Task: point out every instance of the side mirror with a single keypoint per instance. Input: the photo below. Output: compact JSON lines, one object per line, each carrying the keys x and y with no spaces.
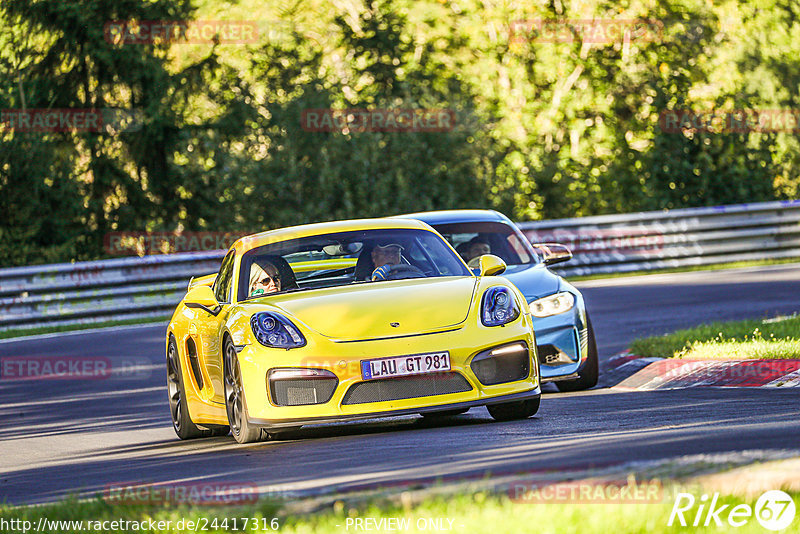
{"x":553,"y":253}
{"x":202,"y":297}
{"x":491,"y":265}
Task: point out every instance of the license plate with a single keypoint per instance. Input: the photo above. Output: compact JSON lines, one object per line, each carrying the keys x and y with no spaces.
{"x":414,"y":364}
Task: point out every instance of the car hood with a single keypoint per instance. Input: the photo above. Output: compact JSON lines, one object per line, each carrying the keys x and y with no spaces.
{"x":533,"y":280}
{"x":367,"y":311}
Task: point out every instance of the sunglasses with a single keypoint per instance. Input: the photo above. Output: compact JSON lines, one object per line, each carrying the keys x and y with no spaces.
{"x":267,"y":279}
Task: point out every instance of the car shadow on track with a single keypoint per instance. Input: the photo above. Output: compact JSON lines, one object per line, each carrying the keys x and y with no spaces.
{"x":601,"y":426}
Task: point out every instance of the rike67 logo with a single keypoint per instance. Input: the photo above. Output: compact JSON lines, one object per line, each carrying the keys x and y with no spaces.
{"x":774,"y":510}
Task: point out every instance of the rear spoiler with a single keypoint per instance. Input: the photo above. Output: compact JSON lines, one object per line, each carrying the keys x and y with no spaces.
{"x":205,"y":280}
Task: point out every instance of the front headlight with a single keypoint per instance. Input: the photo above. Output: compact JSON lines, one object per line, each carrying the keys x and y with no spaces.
{"x":552,"y":305}
{"x":276,"y":331}
{"x":498,"y":307}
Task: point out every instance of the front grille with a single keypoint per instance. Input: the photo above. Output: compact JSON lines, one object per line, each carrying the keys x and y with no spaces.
{"x":409,"y":387}
{"x":303,"y":391}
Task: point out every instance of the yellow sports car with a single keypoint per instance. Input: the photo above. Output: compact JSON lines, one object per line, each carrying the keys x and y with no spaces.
{"x":347,"y":320}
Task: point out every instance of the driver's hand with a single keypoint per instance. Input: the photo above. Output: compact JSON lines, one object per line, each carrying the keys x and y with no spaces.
{"x":381,"y":273}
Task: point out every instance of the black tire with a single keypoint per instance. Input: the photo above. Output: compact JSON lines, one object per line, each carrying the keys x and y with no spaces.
{"x":511,"y":411}
{"x":444,"y":413}
{"x":179,"y":411}
{"x":588,"y":376}
{"x":235,"y":405}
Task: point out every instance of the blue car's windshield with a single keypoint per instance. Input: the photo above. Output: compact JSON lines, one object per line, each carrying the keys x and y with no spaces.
{"x":472,"y":239}
{"x":343,"y":258}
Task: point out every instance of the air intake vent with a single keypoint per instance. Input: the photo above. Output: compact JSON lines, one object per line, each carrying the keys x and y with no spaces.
{"x":388,"y":389}
{"x":290,"y":387}
{"x":191,"y":350}
{"x":499,"y":365}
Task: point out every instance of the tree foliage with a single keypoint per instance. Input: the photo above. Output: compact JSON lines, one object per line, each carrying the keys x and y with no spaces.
{"x":557,"y":128}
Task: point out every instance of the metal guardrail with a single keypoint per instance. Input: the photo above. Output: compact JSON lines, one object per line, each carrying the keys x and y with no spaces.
{"x":96,"y":291}
{"x":150,"y":287}
{"x":608,"y":244}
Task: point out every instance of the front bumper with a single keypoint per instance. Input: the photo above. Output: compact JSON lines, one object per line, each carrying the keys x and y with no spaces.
{"x":562,"y":343}
{"x":343,"y":360}
{"x":289,"y":423}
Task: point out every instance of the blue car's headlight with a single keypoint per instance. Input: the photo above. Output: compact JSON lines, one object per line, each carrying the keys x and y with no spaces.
{"x":552,"y":305}
{"x":498,"y":307}
{"x":276,"y":331}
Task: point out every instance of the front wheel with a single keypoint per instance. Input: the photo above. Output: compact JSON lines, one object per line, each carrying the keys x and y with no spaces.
{"x":588,"y":376}
{"x":242,"y":430}
{"x":510,"y":411}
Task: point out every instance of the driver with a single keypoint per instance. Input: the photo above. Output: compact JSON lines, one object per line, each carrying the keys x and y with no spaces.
{"x":264,"y":279}
{"x":384,"y":257}
{"x":477,"y":247}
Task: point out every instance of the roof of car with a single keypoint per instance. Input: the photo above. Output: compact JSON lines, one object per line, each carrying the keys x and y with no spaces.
{"x":455,"y":216}
{"x":307,"y":230}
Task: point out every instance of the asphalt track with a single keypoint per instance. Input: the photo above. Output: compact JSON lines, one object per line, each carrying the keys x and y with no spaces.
{"x":79,"y":436}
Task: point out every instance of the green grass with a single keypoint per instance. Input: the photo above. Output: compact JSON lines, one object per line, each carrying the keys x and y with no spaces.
{"x":687,"y":269}
{"x":465,"y":513}
{"x":22,"y":332}
{"x":751,"y":339}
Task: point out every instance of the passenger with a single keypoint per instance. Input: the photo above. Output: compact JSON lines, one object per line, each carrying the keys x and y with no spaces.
{"x":264,"y":279}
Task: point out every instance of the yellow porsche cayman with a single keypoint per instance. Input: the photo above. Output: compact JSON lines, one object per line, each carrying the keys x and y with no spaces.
{"x":347,"y":320}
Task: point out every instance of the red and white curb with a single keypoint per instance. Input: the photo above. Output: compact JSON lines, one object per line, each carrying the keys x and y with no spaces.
{"x":634,"y":373}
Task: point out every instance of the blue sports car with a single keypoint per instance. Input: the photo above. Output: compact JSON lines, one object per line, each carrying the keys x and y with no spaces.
{"x":564,"y":338}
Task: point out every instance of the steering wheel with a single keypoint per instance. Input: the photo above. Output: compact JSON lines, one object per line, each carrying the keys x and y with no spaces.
{"x":397,"y":272}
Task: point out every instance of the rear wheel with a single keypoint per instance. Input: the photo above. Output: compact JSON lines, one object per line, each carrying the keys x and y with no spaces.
{"x":510,"y":411}
{"x":444,"y":413}
{"x":588,"y":376}
{"x":179,"y":411}
{"x":242,"y":430}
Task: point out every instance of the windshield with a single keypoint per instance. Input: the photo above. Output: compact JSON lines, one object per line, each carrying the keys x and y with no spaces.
{"x":473,"y":239}
{"x":331,"y":260}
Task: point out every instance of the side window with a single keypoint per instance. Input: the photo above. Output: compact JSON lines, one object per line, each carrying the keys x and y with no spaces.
{"x":222,"y":285}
